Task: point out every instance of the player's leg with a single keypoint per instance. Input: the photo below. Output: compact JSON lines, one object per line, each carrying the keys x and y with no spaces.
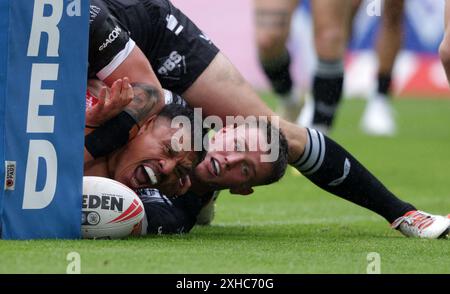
{"x":221,"y":90}
{"x":272,"y":28}
{"x":444,"y":49}
{"x":333,"y":169}
{"x":331,"y":22}
{"x":378,"y":118}
{"x":389,"y":40}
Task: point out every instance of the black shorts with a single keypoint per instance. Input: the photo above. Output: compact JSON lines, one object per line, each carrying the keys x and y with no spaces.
{"x":177,"y":49}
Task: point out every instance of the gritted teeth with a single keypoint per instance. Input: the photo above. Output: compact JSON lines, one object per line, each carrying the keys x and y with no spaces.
{"x":151,"y":175}
{"x":216,"y":166}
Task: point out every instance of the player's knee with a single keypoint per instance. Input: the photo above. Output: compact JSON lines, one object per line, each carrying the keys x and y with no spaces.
{"x":270,"y":45}
{"x":330,"y":43}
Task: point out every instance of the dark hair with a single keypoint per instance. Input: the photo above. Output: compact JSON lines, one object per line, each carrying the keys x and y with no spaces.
{"x":172,"y":111}
{"x":279,"y":166}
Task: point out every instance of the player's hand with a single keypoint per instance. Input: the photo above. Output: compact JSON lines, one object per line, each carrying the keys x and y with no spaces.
{"x":110,"y":102}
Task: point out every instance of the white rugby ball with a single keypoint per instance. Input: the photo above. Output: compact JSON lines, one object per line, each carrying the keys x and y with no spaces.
{"x":110,"y":210}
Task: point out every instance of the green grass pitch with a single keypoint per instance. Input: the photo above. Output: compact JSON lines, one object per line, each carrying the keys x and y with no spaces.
{"x":292,"y":226}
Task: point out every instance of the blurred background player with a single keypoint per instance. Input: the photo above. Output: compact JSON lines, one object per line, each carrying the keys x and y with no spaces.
{"x":332,"y":28}
{"x":444,"y":49}
{"x":272,"y":28}
{"x":332,"y":31}
{"x":378,"y":118}
{"x":332,"y":22}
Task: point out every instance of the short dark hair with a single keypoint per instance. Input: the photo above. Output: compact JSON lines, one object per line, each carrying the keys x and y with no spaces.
{"x":279,"y":166}
{"x":172,"y":111}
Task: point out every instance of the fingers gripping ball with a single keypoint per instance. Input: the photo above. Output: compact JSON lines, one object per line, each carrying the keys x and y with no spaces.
{"x":110,"y":210}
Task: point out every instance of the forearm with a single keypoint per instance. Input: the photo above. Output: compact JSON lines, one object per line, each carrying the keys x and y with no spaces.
{"x":147,"y":101}
{"x":117,"y":131}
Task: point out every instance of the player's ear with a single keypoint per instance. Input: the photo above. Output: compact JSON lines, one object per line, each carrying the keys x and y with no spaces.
{"x":241,"y":191}
{"x":148,"y":123}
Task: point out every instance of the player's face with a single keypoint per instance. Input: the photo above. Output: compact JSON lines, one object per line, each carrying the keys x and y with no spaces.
{"x":151,"y":161}
{"x":230,"y":164}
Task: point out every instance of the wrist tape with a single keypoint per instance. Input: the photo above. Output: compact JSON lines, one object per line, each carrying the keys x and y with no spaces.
{"x":110,"y":136}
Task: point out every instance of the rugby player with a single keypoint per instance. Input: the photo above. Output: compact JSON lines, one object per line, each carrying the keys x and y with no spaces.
{"x":146,"y":159}
{"x":221,"y":169}
{"x":332,"y":27}
{"x":229,"y":164}
{"x":378,"y":118}
{"x":131,"y":38}
{"x":331,"y":20}
{"x":272,"y":29}
{"x":444,"y":48}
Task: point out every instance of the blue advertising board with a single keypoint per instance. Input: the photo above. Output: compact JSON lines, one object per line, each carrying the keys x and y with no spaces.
{"x":4,"y":21}
{"x":42,"y":91}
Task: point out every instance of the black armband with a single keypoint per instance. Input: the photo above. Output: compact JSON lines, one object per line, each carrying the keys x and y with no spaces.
{"x":110,"y":136}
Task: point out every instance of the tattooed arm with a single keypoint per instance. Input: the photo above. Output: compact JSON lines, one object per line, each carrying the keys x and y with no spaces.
{"x":111,"y":133}
{"x":147,"y":101}
{"x":140,"y":103}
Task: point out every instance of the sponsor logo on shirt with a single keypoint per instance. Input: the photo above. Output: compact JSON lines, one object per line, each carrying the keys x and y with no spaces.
{"x":111,"y":38}
{"x":93,"y":12}
{"x":172,"y":66}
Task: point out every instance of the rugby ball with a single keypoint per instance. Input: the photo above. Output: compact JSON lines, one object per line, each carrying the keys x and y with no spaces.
{"x":110,"y":210}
